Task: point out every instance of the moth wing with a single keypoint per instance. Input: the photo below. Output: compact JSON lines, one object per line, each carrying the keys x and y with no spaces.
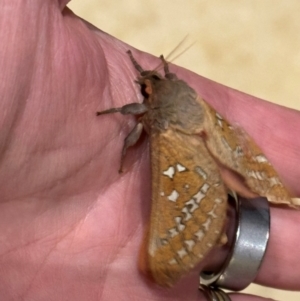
{"x":189,"y":203}
{"x":234,"y":148}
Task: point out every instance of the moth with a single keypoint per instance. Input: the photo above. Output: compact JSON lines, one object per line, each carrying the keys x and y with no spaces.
{"x":190,"y":143}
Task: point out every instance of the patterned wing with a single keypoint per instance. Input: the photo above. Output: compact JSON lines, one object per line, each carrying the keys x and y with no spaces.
{"x":189,"y":203}
{"x":236,"y":150}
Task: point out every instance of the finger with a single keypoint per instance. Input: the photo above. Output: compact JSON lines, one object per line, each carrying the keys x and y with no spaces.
{"x":245,"y":297}
{"x":281,"y":266}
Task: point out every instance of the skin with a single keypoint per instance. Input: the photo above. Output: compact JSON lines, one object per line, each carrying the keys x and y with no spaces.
{"x":70,"y":226}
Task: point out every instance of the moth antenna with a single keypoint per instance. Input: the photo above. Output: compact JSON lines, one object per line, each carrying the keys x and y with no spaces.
{"x":168,"y":74}
{"x":168,"y":57}
{"x":158,"y":67}
{"x":165,"y":64}
{"x":183,"y":51}
{"x":172,"y":52}
{"x":176,"y":47}
{"x":134,"y":62}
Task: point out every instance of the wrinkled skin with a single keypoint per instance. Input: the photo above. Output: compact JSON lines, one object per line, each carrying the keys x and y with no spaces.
{"x":70,"y":225}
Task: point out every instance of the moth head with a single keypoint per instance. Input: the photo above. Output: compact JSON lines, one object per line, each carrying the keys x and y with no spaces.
{"x":147,"y":81}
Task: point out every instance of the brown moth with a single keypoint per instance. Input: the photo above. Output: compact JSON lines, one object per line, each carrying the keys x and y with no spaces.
{"x":190,"y":143}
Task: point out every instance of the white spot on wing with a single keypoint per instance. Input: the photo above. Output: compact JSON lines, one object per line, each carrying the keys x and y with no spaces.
{"x":173,"y":196}
{"x":179,"y":225}
{"x":194,"y":205}
{"x":162,"y":193}
{"x":201,"y":172}
{"x":199,"y":234}
{"x":180,"y":167}
{"x":238,"y":152}
{"x":169,"y":172}
{"x":187,"y":214}
{"x":163,"y":242}
{"x":190,"y":244}
{"x":225,"y":143}
{"x":256,"y":175}
{"x":172,"y":261}
{"x":201,"y":193}
{"x":204,"y":187}
{"x":219,"y":116}
{"x":207,"y":224}
{"x":152,"y":248}
{"x":212,"y":212}
{"x":274,"y":181}
{"x":260,"y":175}
{"x":218,"y":201}
{"x":198,"y":196}
{"x":261,"y":159}
{"x":173,"y":232}
{"x":182,"y":252}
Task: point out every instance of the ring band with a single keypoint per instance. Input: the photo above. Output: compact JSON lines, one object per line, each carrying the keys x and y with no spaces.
{"x":214,"y":294}
{"x":251,"y":239}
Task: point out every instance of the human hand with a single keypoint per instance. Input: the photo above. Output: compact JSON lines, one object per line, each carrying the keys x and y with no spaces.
{"x":71,"y":226}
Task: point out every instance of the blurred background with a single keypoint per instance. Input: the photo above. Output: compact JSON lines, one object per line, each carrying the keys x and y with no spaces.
{"x":252,"y":46}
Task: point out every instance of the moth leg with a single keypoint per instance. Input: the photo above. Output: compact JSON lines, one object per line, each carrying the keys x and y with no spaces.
{"x":134,"y":108}
{"x":168,"y":74}
{"x":130,"y":140}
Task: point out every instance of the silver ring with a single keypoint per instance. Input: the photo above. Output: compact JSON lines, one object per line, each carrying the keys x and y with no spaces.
{"x":214,"y":294}
{"x":251,"y":240}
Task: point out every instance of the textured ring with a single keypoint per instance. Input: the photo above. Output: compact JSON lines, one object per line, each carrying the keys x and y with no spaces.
{"x":247,"y":253}
{"x":214,"y":294}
